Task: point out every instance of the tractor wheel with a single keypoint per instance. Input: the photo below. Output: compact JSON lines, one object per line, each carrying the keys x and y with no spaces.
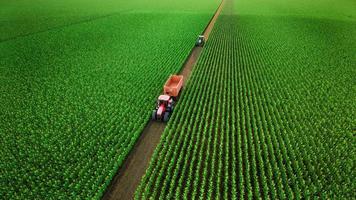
{"x":154,"y":115}
{"x":166,"y":117}
{"x":170,"y":109}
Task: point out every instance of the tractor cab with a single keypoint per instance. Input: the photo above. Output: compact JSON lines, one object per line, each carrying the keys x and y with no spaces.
{"x":165,"y":102}
{"x":200,"y":41}
{"x":163,"y":109}
{"x":163,"y":99}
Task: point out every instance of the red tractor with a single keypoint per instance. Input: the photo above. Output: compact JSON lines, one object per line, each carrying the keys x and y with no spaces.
{"x":165,"y":102}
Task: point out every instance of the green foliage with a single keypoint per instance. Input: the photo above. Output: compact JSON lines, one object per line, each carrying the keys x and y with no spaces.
{"x":74,"y":99}
{"x":270,"y":111}
{"x":23,"y":17}
{"x":321,"y":9}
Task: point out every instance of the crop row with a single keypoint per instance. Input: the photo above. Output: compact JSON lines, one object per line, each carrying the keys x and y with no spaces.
{"x":75,"y":100}
{"x":256,"y":119}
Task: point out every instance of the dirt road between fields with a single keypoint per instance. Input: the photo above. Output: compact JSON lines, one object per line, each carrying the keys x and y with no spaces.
{"x":128,"y":177}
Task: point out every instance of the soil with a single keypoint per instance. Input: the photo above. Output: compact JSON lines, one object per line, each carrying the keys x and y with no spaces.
{"x":189,"y":63}
{"x":125,"y":182}
{"x":211,"y":24}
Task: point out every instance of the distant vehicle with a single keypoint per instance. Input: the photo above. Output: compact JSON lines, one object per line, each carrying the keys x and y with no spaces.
{"x":200,"y":41}
{"x":165,"y":102}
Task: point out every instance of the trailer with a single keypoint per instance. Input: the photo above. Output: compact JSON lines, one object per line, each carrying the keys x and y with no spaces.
{"x":173,"y":85}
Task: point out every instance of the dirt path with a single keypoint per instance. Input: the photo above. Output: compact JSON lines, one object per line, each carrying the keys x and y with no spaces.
{"x":125,"y":182}
{"x":211,"y":24}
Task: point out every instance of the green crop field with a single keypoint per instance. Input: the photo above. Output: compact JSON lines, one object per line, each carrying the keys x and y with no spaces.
{"x":269,"y":111}
{"x":78,"y":81}
{"x":23,"y":17}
